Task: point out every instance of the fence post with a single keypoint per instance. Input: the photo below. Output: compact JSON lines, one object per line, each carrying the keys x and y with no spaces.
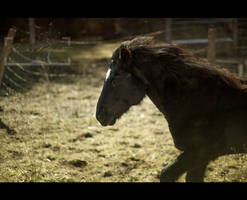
{"x":31,"y":23}
{"x":240,"y":69}
{"x":168,"y":30}
{"x":211,"y":55}
{"x":235,"y":32}
{"x":6,"y":50}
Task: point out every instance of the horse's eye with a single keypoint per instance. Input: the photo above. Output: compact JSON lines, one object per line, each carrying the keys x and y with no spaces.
{"x":113,"y":82}
{"x":113,"y":62}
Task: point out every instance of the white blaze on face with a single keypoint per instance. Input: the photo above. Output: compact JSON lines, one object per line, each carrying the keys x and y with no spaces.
{"x":108,"y":74}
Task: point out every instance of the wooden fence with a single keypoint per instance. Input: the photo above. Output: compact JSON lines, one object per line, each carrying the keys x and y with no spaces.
{"x":6,"y":50}
{"x":211,"y":41}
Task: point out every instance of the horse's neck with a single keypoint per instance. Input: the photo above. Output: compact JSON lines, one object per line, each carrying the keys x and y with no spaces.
{"x":155,"y":97}
{"x":152,"y":90}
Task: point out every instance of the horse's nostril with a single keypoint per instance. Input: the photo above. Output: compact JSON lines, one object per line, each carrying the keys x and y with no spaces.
{"x":100,"y":114}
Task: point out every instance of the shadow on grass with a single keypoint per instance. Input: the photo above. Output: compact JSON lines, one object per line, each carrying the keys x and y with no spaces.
{"x":7,"y":128}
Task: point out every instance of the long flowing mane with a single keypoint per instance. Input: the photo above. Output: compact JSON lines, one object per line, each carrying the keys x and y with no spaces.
{"x":176,"y":60}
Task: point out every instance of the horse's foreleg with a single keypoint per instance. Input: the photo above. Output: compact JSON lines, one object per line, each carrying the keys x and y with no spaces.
{"x":197,"y":174}
{"x":185,"y":162}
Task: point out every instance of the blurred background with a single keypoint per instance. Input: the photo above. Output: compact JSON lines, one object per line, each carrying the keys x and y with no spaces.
{"x":51,"y":73}
{"x":78,"y":41}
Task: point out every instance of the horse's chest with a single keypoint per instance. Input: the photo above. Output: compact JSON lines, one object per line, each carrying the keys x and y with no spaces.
{"x":188,"y":132}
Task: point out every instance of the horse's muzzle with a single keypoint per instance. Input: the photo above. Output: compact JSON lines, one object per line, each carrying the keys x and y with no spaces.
{"x":104,"y":118}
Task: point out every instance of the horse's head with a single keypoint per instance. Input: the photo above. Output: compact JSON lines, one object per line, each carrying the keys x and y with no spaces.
{"x":121,"y":88}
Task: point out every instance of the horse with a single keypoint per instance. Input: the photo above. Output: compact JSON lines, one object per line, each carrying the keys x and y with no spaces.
{"x":205,"y":106}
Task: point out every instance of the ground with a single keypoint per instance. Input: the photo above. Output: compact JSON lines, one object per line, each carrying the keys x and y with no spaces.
{"x":58,"y":138}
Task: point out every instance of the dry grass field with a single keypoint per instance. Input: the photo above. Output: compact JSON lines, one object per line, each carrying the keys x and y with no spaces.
{"x":59,"y":140}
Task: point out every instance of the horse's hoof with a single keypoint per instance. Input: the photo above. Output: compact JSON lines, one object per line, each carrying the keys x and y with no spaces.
{"x":165,"y":177}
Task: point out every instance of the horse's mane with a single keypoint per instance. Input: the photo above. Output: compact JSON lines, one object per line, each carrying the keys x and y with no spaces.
{"x":173,"y":58}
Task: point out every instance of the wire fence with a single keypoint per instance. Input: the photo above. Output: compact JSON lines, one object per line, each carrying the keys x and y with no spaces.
{"x":22,"y":71}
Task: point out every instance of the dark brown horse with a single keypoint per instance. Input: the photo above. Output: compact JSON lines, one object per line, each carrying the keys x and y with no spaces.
{"x":206,"y":108}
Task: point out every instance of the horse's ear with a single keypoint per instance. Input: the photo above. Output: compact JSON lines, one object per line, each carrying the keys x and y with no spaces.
{"x":125,"y":54}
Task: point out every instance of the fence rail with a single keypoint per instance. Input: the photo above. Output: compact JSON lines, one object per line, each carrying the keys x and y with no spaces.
{"x":201,"y":41}
{"x":208,"y":21}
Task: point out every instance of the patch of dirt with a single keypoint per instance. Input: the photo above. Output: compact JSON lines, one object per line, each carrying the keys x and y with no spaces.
{"x":77,"y":163}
